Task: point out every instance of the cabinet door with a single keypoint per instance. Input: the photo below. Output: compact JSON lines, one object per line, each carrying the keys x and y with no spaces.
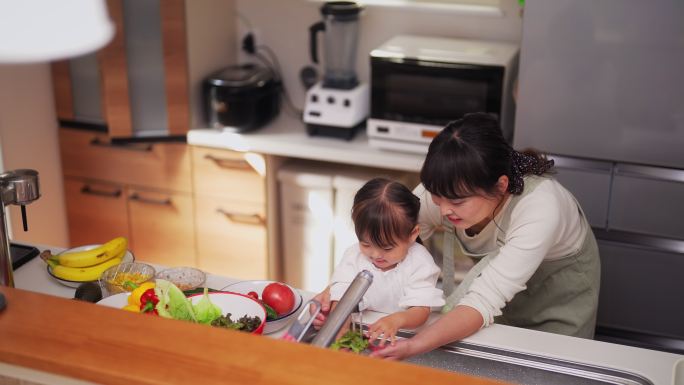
{"x":648,"y":200}
{"x":641,"y":289}
{"x":146,"y":81}
{"x":232,"y":175}
{"x":96,"y":211}
{"x":162,"y":227}
{"x":589,"y":182}
{"x":91,"y":155}
{"x":231,"y":238}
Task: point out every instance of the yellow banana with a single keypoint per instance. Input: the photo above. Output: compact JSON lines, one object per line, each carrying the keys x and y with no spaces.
{"x":83,"y":274}
{"x":112,"y":249}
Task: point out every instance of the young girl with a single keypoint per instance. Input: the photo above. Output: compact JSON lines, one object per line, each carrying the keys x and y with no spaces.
{"x":385,"y":216}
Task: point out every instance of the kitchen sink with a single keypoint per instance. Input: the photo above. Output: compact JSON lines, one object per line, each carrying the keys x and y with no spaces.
{"x":519,"y":368}
{"x":515,"y":367}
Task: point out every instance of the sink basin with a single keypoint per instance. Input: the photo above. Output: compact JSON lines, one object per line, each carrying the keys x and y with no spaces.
{"x":516,"y":367}
{"x":519,"y":368}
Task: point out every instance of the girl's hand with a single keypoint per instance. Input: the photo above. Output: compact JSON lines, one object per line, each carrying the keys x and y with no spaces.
{"x":385,"y":330}
{"x":324,"y":299}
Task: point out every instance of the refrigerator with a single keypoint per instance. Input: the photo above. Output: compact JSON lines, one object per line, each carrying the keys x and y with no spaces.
{"x":601,"y":89}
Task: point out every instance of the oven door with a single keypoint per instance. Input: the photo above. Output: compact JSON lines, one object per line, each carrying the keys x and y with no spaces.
{"x":433,"y":93}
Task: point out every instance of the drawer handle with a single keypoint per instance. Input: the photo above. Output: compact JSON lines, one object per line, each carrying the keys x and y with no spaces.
{"x":250,"y":219}
{"x":161,"y":202}
{"x":132,"y":147}
{"x":86,"y":189}
{"x":236,"y":164}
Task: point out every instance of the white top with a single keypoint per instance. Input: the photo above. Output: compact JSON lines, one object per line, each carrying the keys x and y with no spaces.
{"x":412,"y":282}
{"x":545,"y":225}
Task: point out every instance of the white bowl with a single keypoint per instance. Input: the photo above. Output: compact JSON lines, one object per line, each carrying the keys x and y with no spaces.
{"x":244,"y":287}
{"x":128,"y":257}
{"x":238,"y":305}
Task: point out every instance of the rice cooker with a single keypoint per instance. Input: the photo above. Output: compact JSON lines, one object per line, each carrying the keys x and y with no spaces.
{"x":241,"y":97}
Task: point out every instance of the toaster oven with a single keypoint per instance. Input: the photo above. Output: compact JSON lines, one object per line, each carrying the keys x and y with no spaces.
{"x":419,"y":84}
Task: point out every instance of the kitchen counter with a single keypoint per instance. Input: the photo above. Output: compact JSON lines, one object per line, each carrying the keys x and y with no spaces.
{"x":656,"y":366}
{"x":51,"y":340}
{"x":286,"y":136}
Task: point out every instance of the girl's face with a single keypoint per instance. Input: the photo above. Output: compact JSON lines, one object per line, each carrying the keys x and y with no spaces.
{"x":388,"y":257}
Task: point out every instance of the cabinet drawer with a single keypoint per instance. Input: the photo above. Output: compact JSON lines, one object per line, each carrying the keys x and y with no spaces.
{"x":162,"y":227}
{"x":648,"y":200}
{"x":232,"y":175}
{"x":90,"y":155}
{"x":641,"y":289}
{"x":231,"y":238}
{"x":589,"y":182}
{"x":96,"y":211}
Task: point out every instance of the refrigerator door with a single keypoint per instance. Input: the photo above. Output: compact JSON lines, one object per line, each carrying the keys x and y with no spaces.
{"x":603,"y":80}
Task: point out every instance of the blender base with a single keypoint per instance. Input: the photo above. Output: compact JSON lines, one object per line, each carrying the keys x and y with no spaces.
{"x":346,"y":133}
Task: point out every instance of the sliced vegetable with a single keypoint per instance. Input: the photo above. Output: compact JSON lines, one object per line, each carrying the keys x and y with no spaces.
{"x":149,"y":301}
{"x":172,"y":302}
{"x":205,"y":310}
{"x":138,"y":291}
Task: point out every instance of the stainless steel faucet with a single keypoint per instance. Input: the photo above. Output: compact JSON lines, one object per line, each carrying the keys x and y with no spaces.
{"x":18,"y":187}
{"x":345,"y":307}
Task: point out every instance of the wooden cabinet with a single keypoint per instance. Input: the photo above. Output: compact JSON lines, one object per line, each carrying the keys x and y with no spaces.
{"x":146,"y":81}
{"x":230,"y":212}
{"x":162,"y":227}
{"x":96,"y":211}
{"x":141,"y":191}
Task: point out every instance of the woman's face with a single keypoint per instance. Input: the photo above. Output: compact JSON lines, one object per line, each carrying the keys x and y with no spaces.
{"x":465,"y":213}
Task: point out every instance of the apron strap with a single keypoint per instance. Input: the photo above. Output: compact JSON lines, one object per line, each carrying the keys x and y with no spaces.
{"x":448,"y":270}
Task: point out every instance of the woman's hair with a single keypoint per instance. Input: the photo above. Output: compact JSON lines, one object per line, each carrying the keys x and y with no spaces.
{"x":470,"y":154}
{"x":384,"y":211}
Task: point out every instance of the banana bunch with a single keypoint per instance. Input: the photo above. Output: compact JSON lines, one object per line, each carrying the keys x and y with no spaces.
{"x":86,"y":265}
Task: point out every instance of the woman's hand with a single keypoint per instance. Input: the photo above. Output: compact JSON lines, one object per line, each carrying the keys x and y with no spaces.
{"x":385,"y":330}
{"x":324,"y":299}
{"x":400,"y":350}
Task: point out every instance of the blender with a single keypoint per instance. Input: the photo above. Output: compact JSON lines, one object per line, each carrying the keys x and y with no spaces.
{"x":338,"y":105}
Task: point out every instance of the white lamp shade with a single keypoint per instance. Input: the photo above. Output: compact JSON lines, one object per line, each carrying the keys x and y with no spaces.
{"x":44,"y":30}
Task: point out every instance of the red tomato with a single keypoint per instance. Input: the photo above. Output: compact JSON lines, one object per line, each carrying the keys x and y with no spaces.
{"x":253,"y":294}
{"x":278,"y":296}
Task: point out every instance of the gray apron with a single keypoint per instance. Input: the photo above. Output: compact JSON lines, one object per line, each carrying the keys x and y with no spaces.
{"x":561,"y":296}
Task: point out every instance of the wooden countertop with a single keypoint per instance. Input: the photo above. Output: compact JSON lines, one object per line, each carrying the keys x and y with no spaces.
{"x":100,"y":344}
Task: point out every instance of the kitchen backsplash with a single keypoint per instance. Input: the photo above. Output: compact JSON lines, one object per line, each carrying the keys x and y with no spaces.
{"x":283,"y":26}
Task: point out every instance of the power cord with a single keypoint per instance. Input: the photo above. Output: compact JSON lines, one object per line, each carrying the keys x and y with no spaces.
{"x":249,"y":46}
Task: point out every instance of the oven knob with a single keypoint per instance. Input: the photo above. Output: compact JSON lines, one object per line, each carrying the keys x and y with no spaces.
{"x":331,"y":100}
{"x":314,"y":98}
{"x":347,"y":102}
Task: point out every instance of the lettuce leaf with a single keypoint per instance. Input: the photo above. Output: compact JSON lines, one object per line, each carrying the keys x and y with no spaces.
{"x":172,"y":302}
{"x":205,"y":310}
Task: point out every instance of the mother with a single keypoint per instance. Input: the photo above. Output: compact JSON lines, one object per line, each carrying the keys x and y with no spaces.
{"x":538,"y":259}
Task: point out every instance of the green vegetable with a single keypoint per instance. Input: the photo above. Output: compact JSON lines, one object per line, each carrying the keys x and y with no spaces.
{"x":353,"y":340}
{"x":270,"y":313}
{"x":205,"y":310}
{"x":173,"y":303}
{"x":245,"y":323}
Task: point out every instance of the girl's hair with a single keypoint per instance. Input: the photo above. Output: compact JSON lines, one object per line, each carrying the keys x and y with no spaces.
{"x":384,"y":211}
{"x":470,"y":154}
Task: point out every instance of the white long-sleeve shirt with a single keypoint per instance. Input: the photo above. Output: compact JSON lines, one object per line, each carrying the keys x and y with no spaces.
{"x":412,"y":282}
{"x":545,"y":224}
